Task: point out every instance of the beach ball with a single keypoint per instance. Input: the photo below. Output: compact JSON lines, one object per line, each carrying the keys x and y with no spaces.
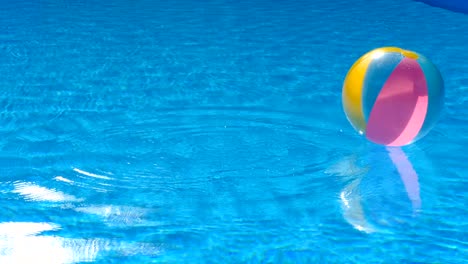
{"x":392,"y":96}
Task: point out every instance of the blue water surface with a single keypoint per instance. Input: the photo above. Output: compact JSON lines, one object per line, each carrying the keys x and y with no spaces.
{"x":212,"y":131}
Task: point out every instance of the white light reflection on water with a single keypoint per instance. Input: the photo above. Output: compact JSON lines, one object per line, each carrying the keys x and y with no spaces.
{"x":89,"y":174}
{"x":33,"y":192}
{"x":36,"y":242}
{"x":21,"y":242}
{"x":119,"y":215}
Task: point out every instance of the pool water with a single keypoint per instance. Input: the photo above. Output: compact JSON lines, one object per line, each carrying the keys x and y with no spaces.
{"x":213,"y":132}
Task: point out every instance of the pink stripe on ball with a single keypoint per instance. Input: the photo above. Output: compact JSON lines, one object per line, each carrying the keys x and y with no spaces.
{"x":400,"y":109}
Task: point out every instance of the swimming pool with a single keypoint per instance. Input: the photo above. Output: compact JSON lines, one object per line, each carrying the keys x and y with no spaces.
{"x":213,"y":132}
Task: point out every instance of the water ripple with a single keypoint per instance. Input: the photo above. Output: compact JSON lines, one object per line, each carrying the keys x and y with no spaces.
{"x":211,"y":137}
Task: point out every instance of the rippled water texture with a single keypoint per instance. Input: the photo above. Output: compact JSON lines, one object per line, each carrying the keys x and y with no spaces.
{"x":213,"y":132}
